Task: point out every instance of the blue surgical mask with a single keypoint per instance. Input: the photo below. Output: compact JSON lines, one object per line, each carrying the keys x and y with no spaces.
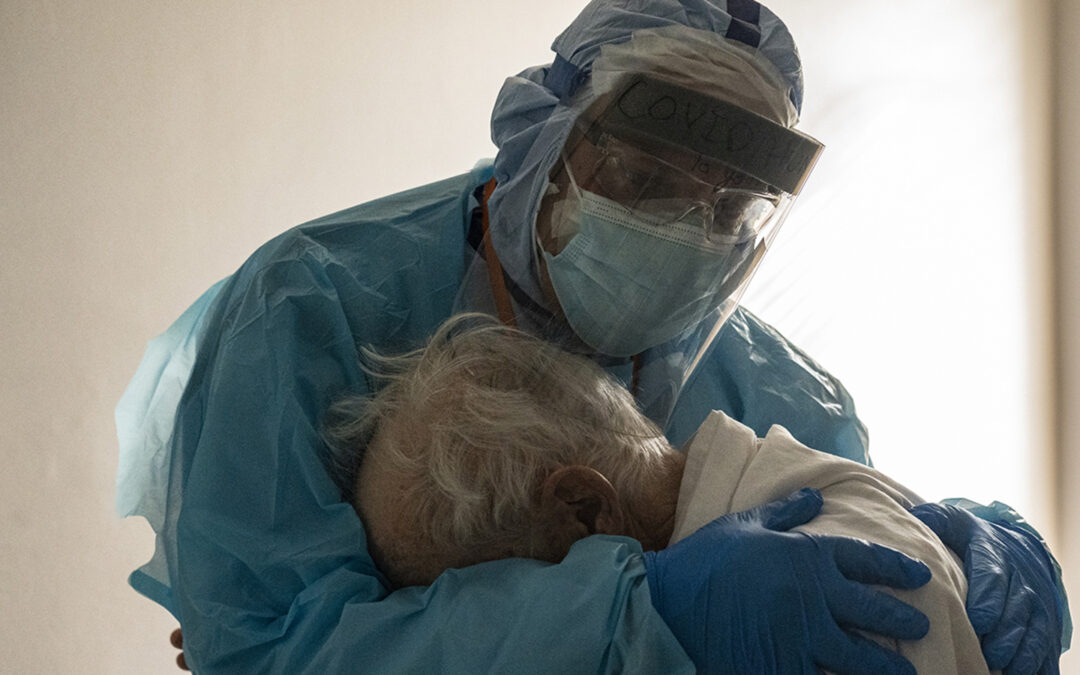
{"x":628,"y":281}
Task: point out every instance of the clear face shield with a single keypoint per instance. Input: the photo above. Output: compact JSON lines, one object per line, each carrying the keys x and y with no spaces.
{"x":663,"y":203}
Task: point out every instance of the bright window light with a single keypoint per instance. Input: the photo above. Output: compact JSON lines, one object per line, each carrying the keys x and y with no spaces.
{"x":902,"y":267}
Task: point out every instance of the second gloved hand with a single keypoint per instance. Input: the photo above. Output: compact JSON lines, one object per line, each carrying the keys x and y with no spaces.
{"x":1012,"y":599}
{"x":744,"y":595}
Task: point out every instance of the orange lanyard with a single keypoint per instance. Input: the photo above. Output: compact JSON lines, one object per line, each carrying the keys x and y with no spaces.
{"x":495,"y":273}
{"x":498,"y":284}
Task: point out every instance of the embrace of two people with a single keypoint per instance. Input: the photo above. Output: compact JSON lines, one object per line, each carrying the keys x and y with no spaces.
{"x":615,"y":473}
{"x":491,"y":444}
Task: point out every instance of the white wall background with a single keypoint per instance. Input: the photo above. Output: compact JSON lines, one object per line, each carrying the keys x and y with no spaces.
{"x":148,"y":148}
{"x":904,"y":267}
{"x":1066,"y":69}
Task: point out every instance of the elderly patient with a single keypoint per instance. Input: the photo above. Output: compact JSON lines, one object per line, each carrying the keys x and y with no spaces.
{"x":491,"y":444}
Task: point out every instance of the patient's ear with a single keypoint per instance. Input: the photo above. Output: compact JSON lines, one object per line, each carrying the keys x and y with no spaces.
{"x":583,"y":502}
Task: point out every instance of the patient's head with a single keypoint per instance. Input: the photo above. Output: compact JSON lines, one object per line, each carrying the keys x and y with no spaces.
{"x":491,"y":444}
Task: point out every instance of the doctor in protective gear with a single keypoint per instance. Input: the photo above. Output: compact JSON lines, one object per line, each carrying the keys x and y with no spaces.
{"x":639,"y":180}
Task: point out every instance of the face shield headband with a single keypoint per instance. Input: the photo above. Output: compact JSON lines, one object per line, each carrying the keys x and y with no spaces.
{"x":651,"y":110}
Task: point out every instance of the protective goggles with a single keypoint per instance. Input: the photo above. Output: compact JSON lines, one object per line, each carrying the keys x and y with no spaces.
{"x":662,"y":192}
{"x":675,"y":154}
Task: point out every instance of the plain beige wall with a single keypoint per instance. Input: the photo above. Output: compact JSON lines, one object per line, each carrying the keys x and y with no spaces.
{"x":1067,"y":247}
{"x":147,"y":149}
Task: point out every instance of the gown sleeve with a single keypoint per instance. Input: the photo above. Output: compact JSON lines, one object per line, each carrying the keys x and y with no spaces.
{"x":259,"y":558}
{"x":754,"y":375}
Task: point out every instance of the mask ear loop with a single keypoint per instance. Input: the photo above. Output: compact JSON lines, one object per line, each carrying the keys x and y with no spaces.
{"x":570,"y":173}
{"x":708,"y":214}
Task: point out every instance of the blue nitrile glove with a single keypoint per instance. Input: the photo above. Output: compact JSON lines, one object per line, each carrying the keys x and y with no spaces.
{"x":743,"y":595}
{"x":1012,"y":599}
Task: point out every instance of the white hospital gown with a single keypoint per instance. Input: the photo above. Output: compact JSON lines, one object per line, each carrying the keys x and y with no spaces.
{"x":729,"y":469}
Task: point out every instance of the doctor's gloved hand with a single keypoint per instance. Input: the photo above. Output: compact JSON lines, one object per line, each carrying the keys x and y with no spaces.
{"x":1012,"y":598}
{"x":743,"y":595}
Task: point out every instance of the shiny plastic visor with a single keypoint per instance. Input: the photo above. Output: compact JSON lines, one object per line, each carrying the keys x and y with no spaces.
{"x":663,"y":192}
{"x":698,"y":188}
{"x":717,"y":137}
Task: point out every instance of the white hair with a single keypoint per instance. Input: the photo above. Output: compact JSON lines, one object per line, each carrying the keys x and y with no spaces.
{"x":476,"y":421}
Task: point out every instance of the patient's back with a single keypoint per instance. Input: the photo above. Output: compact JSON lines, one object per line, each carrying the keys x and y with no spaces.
{"x":729,"y":469}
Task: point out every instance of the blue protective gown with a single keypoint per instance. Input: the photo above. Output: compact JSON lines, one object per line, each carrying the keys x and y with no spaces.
{"x":260,"y":560}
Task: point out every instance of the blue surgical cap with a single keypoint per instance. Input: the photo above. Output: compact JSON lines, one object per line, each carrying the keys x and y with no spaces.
{"x":533,"y":114}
